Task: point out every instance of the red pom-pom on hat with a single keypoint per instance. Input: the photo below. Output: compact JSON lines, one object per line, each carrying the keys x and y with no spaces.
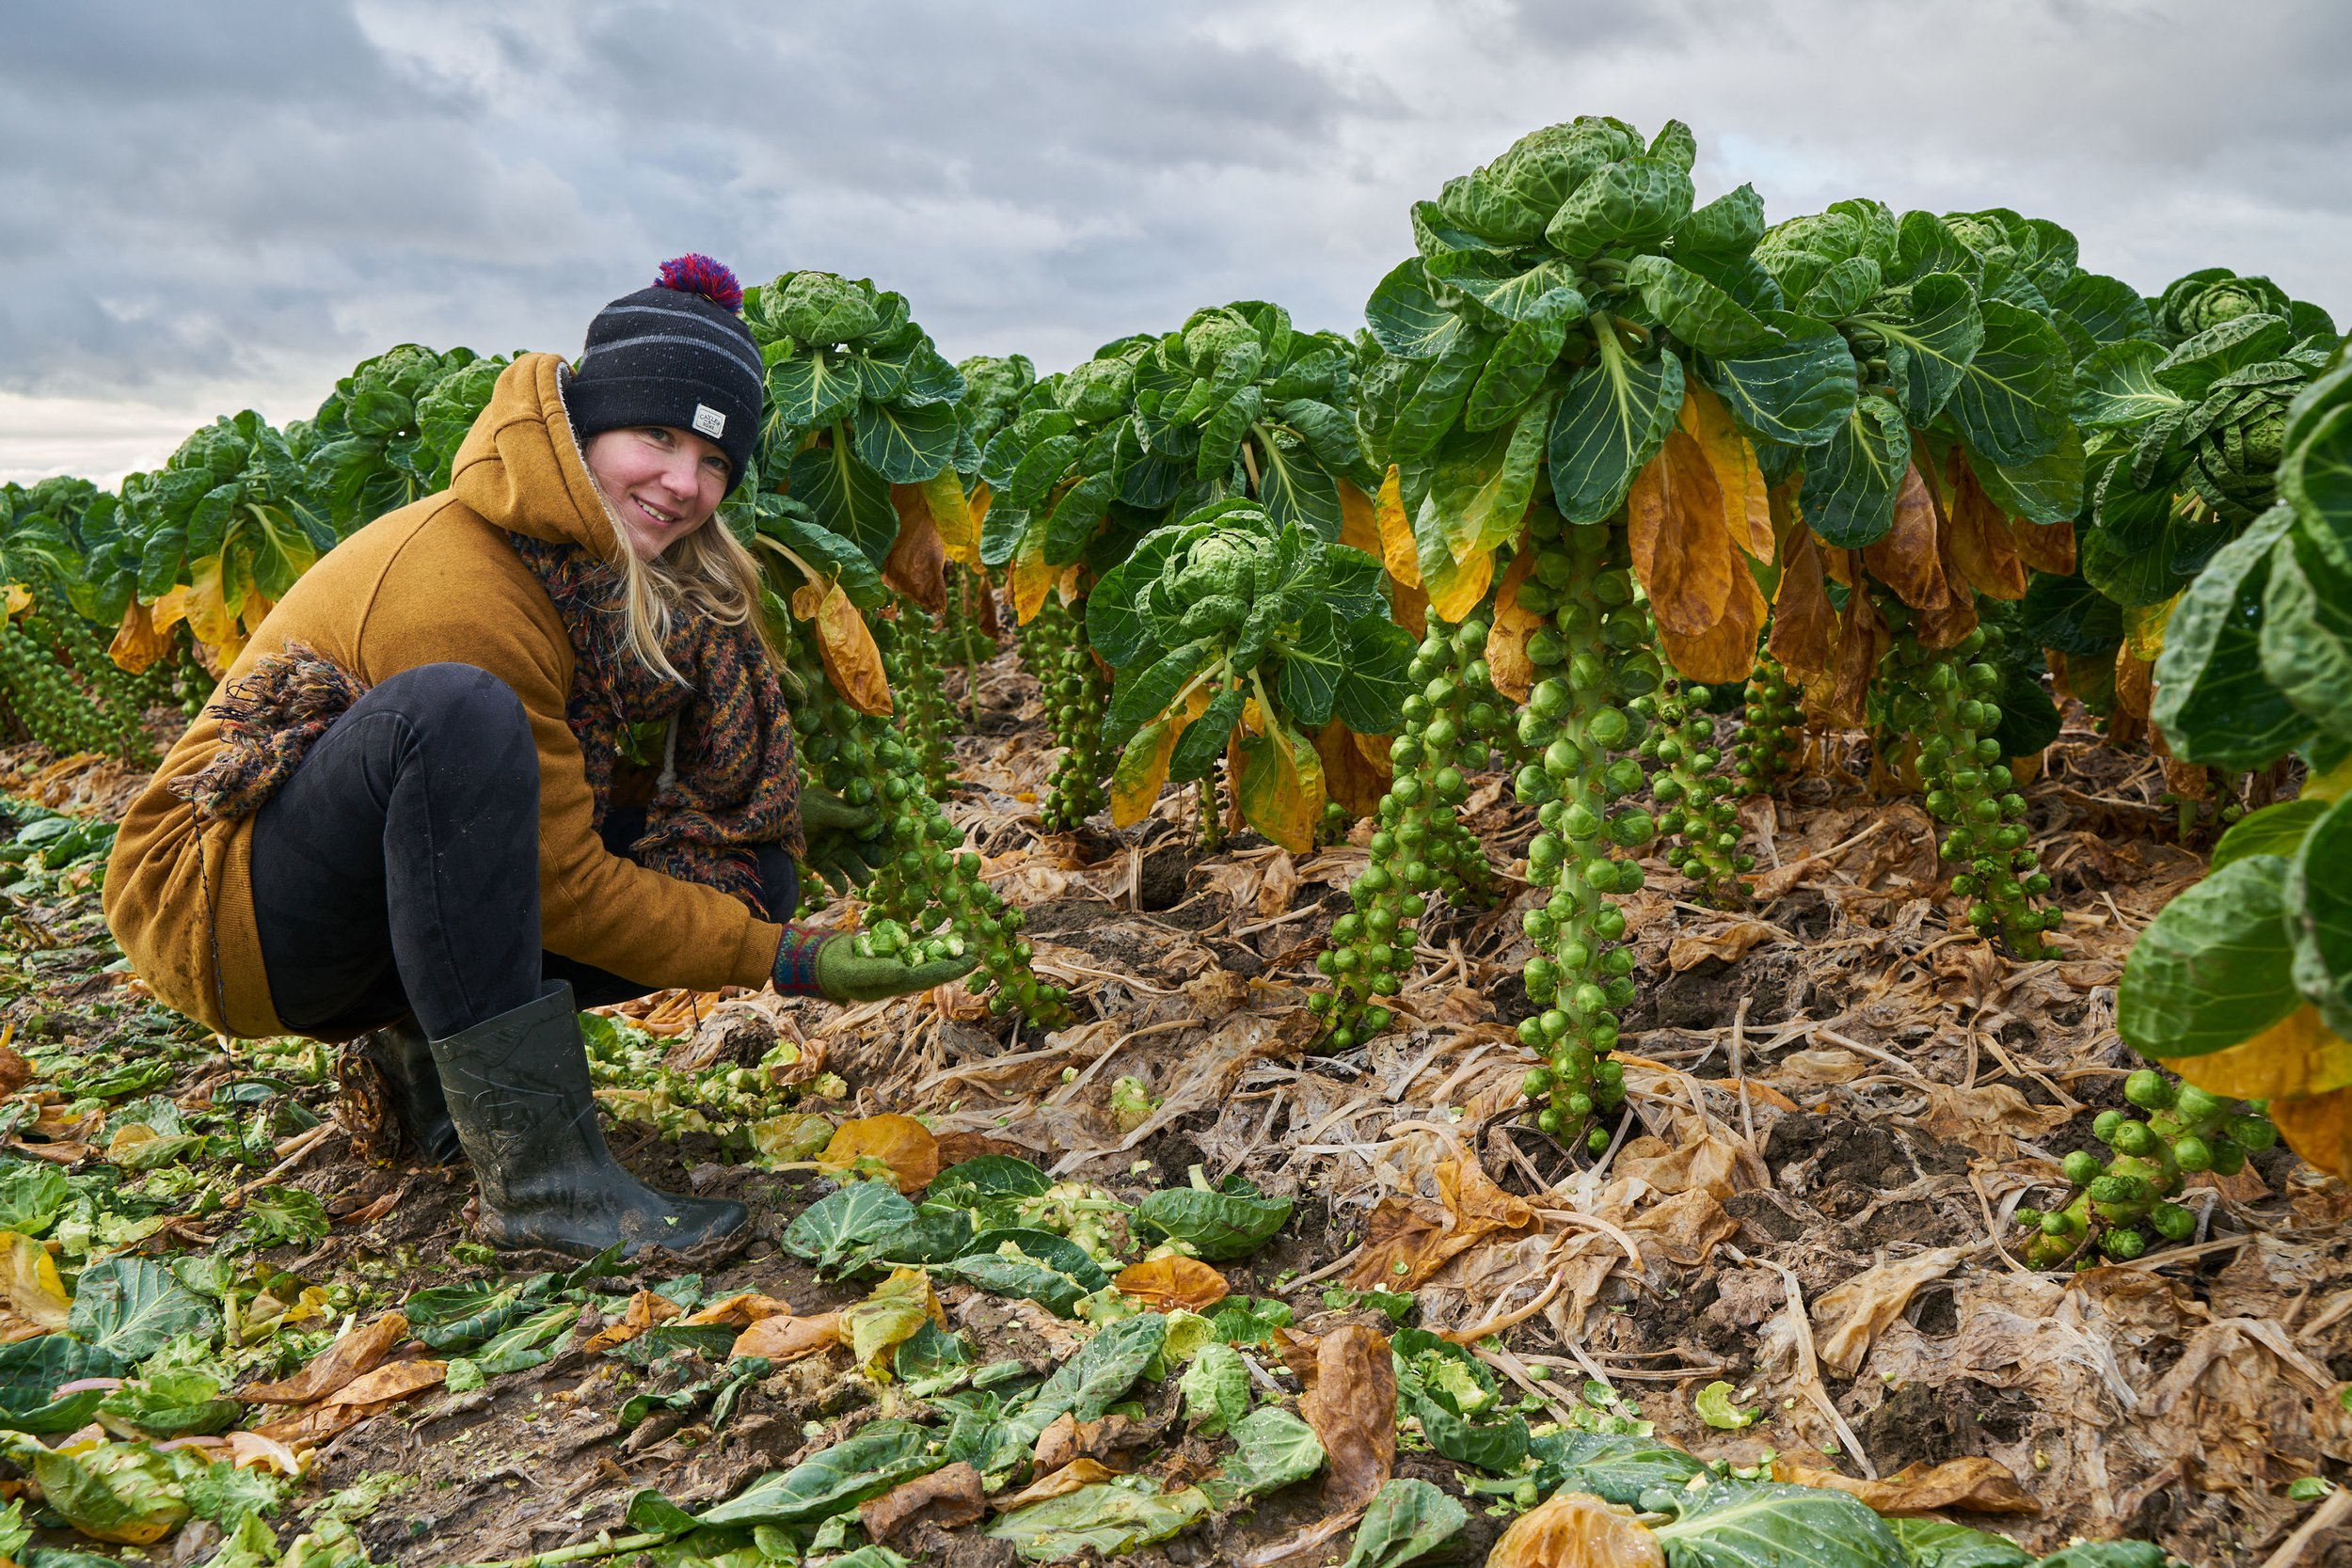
{"x":696,"y":274}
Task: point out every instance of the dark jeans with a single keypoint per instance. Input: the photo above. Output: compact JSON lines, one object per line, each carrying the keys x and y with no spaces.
{"x":396,"y":871}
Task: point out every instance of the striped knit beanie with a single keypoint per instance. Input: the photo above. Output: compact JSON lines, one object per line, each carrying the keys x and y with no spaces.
{"x":677,"y":354}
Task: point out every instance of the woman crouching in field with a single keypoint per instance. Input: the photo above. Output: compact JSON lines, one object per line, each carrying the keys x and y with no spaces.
{"x":398,"y":818}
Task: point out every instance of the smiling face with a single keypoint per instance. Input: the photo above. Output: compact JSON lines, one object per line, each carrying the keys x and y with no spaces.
{"x":663,"y":482}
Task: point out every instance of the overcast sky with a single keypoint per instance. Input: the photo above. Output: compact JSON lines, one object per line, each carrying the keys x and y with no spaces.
{"x":204,"y":207}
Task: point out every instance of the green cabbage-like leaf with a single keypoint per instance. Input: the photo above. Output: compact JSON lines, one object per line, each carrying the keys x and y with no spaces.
{"x":2214,"y":968}
{"x":2319,"y":907}
{"x":1733,"y":1525}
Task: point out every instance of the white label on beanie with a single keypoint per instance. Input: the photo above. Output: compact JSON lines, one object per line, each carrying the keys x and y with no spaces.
{"x":710,"y":421}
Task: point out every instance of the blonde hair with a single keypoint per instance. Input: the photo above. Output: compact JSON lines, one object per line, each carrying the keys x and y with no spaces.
{"x":708,"y":574}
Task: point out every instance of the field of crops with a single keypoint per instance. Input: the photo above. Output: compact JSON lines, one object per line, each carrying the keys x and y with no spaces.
{"x":1689,"y":903}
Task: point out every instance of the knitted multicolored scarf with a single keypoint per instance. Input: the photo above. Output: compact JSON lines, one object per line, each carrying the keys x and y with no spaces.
{"x":733,"y":783}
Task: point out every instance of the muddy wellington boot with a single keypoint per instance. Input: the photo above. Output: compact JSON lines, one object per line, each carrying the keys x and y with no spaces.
{"x":404,"y":1058}
{"x":517,"y":1090}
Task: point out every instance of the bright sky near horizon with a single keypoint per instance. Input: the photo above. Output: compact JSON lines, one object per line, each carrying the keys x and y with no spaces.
{"x":209,"y":208}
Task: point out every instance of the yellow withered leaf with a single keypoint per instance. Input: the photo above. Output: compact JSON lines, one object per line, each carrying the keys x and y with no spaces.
{"x":1573,"y":1530}
{"x":1359,"y":522}
{"x":902,"y":1144}
{"x":2319,"y":1128}
{"x":1397,"y":551}
{"x":952,"y":513}
{"x":1459,"y":585}
{"x":852,"y":662}
{"x":1352,"y":775}
{"x":210,"y":616}
{"x":2296,"y":1056}
{"x":1281,"y":788}
{"x":1142,"y":769}
{"x":1032,"y":578}
{"x":138,"y":644}
{"x":1674,"y":522}
{"x":1747,"y":505}
{"x":1507,"y":664}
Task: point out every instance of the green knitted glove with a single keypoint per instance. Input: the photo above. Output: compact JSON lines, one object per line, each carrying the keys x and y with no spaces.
{"x":842,"y":975}
{"x":845,"y":842}
{"x":824,"y":812}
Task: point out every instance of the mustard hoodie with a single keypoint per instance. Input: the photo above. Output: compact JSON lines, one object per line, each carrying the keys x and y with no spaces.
{"x":434,"y":582}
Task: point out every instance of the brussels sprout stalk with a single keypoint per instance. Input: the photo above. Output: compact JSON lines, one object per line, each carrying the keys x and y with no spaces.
{"x":2124,"y":1202}
{"x":1419,"y":845}
{"x":910,"y":658}
{"x":1589,"y":661}
{"x":927,"y":896}
{"x":1702,"y":815}
{"x":1943,"y":699}
{"x":1075,"y":691}
{"x":1771,"y":730}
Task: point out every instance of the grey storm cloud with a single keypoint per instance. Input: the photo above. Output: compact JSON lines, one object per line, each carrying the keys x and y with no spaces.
{"x":208,"y":205}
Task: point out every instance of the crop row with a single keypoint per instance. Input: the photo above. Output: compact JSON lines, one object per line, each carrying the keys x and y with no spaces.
{"x":1605,"y":467}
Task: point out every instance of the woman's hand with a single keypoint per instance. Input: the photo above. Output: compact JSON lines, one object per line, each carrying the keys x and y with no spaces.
{"x":844,"y":841}
{"x":843,"y":976}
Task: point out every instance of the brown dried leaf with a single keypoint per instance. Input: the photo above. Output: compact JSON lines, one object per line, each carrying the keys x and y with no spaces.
{"x":389,"y":1383}
{"x":1351,"y":1402}
{"x":1508,"y":667}
{"x":901,"y":1143}
{"x":1820,"y":1067}
{"x":1077,"y":1473}
{"x":946,"y":1498}
{"x":1729,"y":941}
{"x":1705,"y":1164}
{"x":1976,"y":1484}
{"x":1688,"y":1226}
{"x":1848,"y":1317}
{"x":1163,"y":1283}
{"x":1573,"y":1530}
{"x":2045,"y":546}
{"x":1909,"y":560}
{"x":1674,"y":521}
{"x":1351,"y":775}
{"x":918,"y":563}
{"x":1981,"y":546}
{"x":358,"y":1351}
{"x":737,"y":1311}
{"x":1862,"y":638}
{"x":784,"y":1338}
{"x":1724,"y":653}
{"x":1424,"y":1236}
{"x":1989,"y":1119}
{"x":1805,"y":622}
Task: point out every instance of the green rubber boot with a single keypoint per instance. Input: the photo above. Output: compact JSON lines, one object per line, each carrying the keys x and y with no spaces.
{"x":518,"y":1091}
{"x":404,"y":1058}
